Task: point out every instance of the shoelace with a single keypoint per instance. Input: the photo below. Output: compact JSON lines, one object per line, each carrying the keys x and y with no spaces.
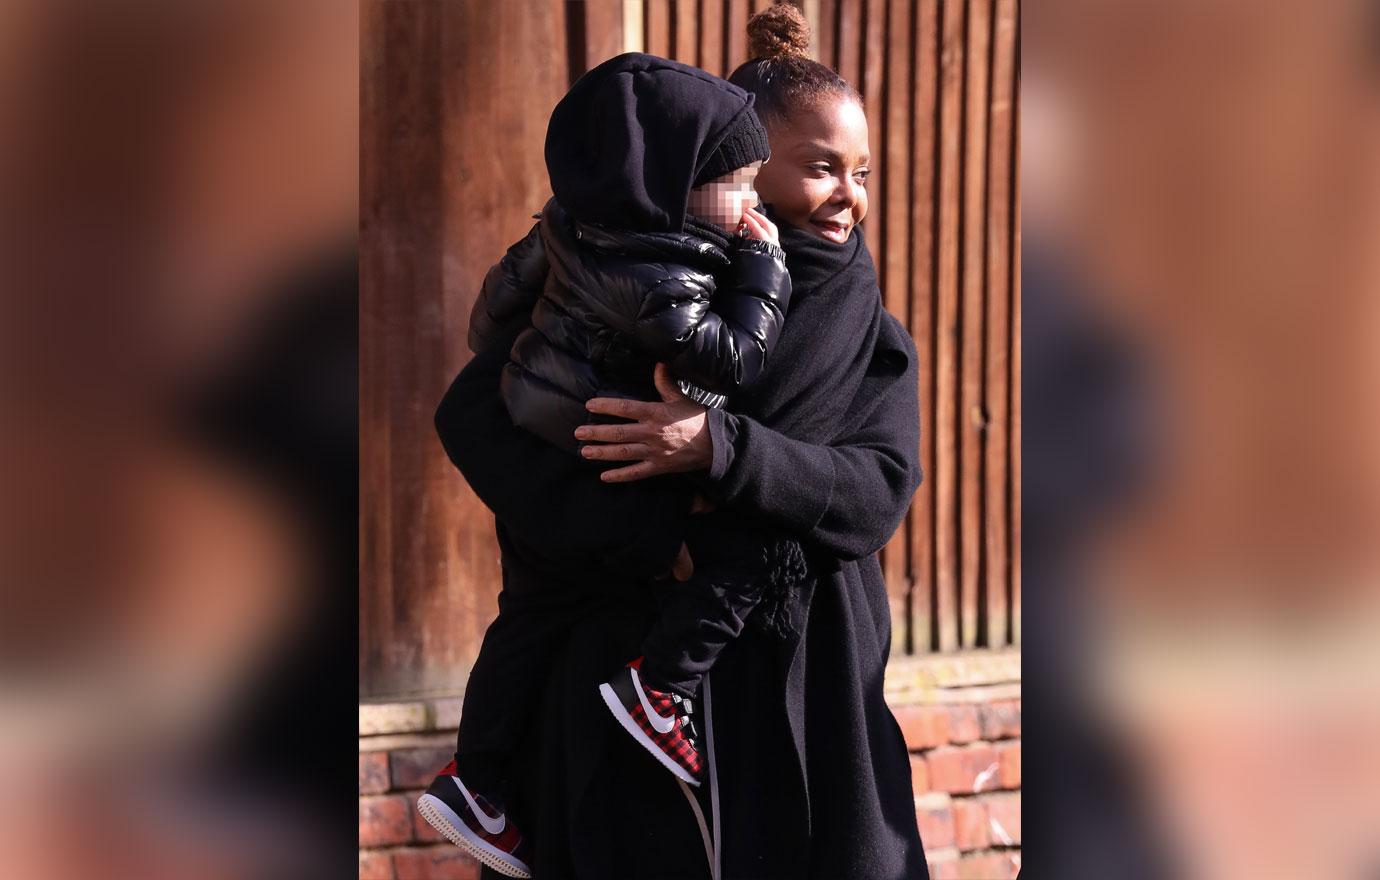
{"x":685,"y":710}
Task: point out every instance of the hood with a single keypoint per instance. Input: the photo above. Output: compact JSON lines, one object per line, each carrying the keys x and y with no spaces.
{"x":624,"y":145}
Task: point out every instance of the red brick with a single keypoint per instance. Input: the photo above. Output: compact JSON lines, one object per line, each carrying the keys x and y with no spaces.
{"x":1000,"y":719}
{"x":919,"y":774}
{"x":415,"y":768}
{"x":963,"y":769}
{"x":1004,"y":817}
{"x":936,"y":820}
{"x":987,"y":866}
{"x":963,"y":723}
{"x":970,"y":824}
{"x":446,"y":862}
{"x":384,"y":820}
{"x":924,"y":727}
{"x":373,"y":772}
{"x":375,"y":865}
{"x":422,"y":832}
{"x":1009,"y":755}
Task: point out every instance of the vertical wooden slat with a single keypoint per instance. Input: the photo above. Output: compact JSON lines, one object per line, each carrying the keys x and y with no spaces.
{"x":849,"y":39}
{"x":825,"y":34}
{"x":711,"y":30}
{"x":686,"y":45}
{"x":998,"y":367}
{"x":735,"y":26}
{"x":811,"y":10}
{"x":889,"y":41}
{"x":1016,"y":383}
{"x":374,"y":582}
{"x":759,"y":5}
{"x":603,"y":30}
{"x":924,"y":89}
{"x":634,"y":28}
{"x":972,"y":415}
{"x":871,"y":86}
{"x":946,"y":324}
{"x":658,"y":32}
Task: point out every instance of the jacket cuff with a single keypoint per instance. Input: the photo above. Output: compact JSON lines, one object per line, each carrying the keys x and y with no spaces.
{"x":723,"y":433}
{"x":758,"y":246}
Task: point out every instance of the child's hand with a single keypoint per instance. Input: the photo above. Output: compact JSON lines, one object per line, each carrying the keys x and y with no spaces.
{"x":756,"y":225}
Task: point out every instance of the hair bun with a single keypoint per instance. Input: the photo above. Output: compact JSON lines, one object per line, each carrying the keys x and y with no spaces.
{"x":778,"y":30}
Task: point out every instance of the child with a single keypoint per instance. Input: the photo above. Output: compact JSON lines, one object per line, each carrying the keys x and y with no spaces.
{"x":633,"y":263}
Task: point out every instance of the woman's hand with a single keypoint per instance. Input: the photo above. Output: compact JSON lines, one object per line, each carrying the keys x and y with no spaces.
{"x":670,"y":437}
{"x":756,"y":225}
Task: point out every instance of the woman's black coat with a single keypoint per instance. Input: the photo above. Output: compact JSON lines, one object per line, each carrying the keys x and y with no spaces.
{"x":813,"y":772}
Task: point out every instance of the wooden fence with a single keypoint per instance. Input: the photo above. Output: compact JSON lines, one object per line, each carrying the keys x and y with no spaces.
{"x":455,"y":96}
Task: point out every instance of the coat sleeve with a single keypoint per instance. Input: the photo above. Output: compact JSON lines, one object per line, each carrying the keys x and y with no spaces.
{"x":511,"y":288}
{"x":549,"y":498}
{"x":848,"y":496}
{"x":719,"y":342}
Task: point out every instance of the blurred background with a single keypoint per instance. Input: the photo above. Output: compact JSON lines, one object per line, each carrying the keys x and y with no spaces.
{"x":1202,"y":350}
{"x":455,"y":99}
{"x":179,"y":438}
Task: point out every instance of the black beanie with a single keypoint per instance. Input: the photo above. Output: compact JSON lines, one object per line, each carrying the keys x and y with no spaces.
{"x":745,"y":143}
{"x":632,"y":137}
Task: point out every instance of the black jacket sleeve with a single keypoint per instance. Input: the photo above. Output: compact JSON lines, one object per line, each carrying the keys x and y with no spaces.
{"x":549,"y":498}
{"x":511,"y":288}
{"x":848,"y":496}
{"x":719,"y":341}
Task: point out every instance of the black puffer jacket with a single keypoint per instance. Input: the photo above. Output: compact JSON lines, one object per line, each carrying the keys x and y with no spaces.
{"x":607,"y":305}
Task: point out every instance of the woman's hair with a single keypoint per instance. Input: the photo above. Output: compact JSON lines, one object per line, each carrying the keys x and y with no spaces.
{"x":780,"y":73}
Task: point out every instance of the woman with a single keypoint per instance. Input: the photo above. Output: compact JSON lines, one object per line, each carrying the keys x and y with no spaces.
{"x":811,"y":775}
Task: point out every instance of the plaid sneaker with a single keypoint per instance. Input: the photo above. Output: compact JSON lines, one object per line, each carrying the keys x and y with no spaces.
{"x":660,"y":722}
{"x":473,"y":823}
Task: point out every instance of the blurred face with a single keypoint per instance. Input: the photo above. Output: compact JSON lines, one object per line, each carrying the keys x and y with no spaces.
{"x":723,"y":200}
{"x":817,"y":176}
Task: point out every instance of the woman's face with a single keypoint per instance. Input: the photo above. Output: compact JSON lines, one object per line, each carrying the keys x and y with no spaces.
{"x":817,"y":176}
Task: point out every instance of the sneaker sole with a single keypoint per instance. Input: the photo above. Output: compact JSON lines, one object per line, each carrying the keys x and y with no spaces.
{"x":441,"y":817}
{"x":621,"y":715}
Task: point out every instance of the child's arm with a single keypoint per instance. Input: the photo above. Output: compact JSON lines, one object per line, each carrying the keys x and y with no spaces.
{"x":511,"y":289}
{"x":719,"y":343}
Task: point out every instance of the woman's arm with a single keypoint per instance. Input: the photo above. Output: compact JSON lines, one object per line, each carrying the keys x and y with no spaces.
{"x":548,"y":497}
{"x":847,"y":496}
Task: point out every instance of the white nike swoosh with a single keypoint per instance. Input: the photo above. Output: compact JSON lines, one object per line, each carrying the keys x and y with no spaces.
{"x":493,"y":826}
{"x":659,"y":724}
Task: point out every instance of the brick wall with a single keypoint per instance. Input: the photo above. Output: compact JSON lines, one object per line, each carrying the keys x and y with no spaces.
{"x":960,"y":714}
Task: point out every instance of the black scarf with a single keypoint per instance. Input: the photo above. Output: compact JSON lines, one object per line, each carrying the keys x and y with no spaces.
{"x":816,"y":385}
{"x":811,"y":387}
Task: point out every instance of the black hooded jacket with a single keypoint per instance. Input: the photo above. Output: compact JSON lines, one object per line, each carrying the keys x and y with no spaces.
{"x":617,"y":276}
